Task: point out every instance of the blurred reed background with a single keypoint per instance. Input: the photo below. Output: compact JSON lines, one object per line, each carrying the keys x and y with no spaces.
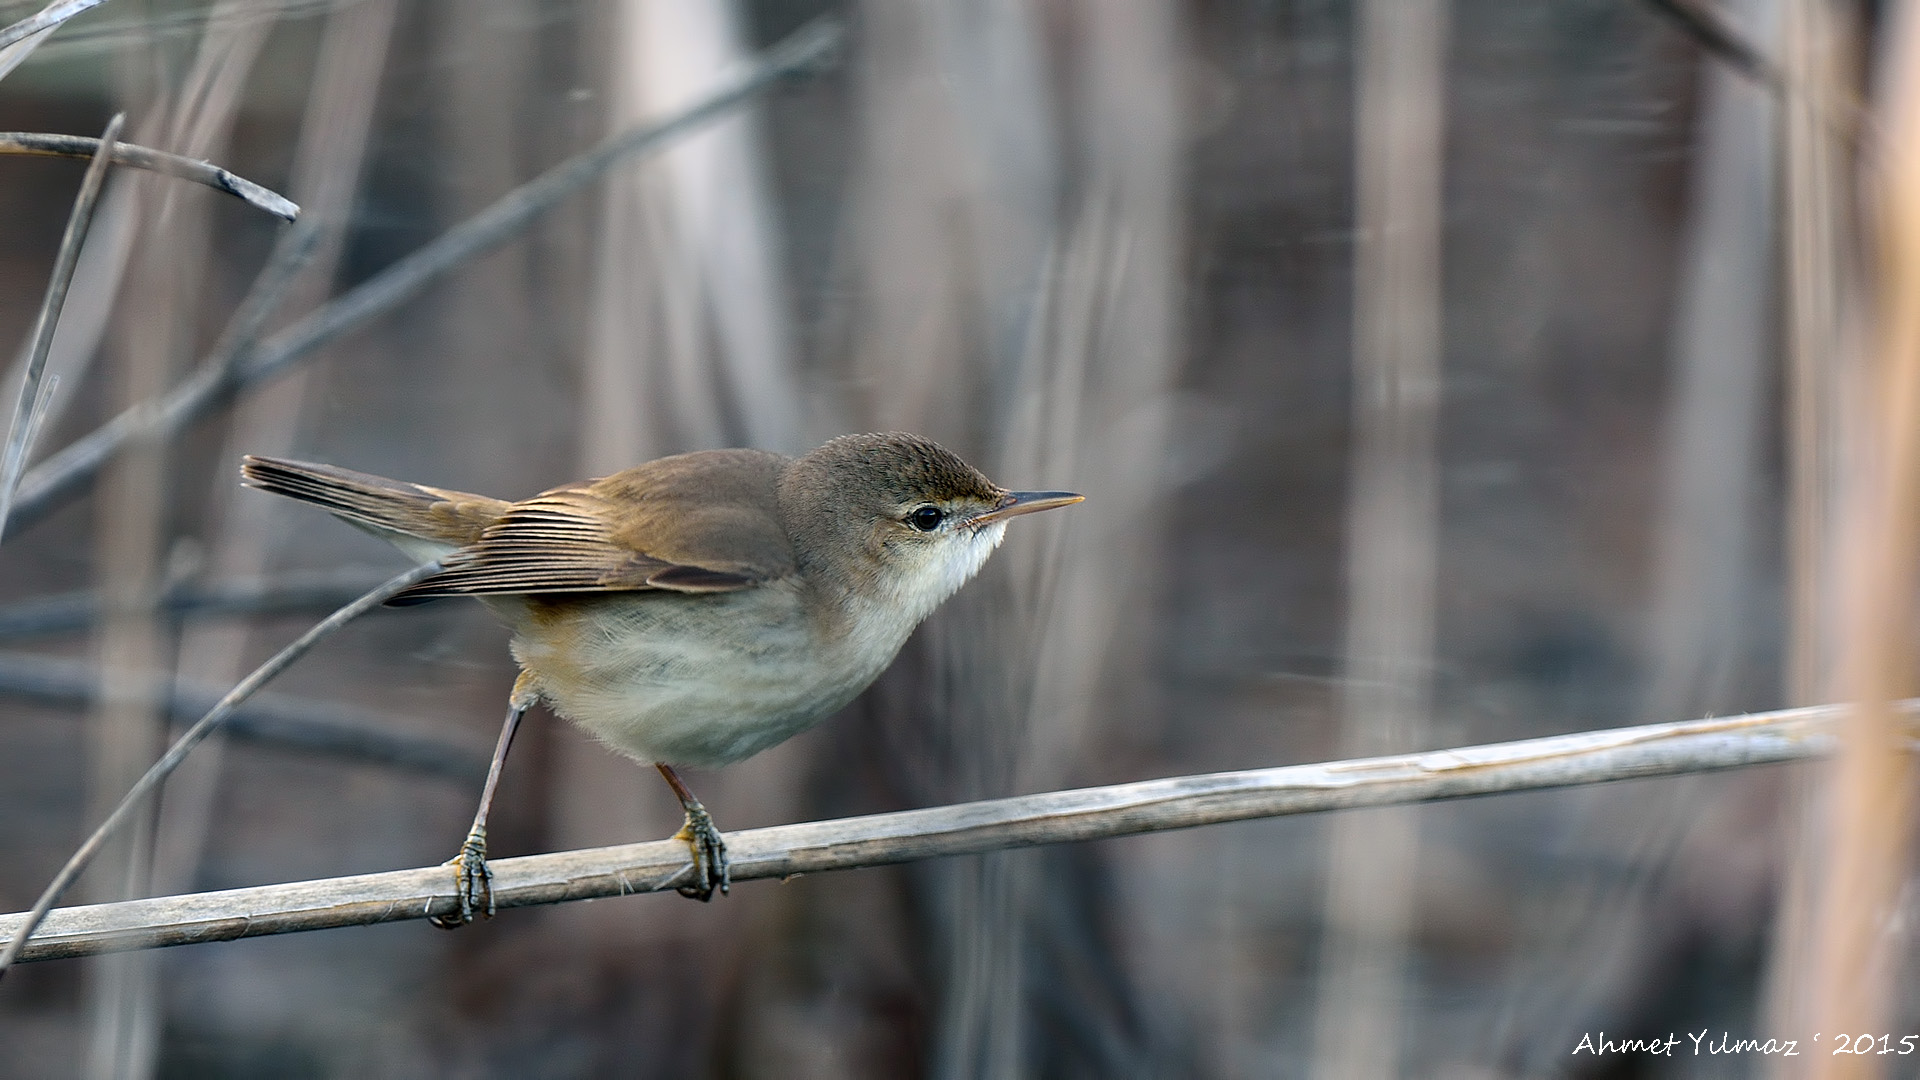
{"x":1437,"y":373}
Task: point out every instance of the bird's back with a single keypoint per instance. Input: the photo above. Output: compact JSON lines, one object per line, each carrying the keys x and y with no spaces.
{"x":703,"y":522}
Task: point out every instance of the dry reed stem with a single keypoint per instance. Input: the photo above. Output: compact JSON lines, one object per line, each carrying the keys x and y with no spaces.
{"x":1392,"y":520}
{"x":1834,"y":107}
{"x":32,"y":406}
{"x":40,"y":144}
{"x":1870,"y":790}
{"x":177,"y":753}
{"x":992,"y":825}
{"x":45,"y":19}
{"x":804,"y":51}
{"x":328,"y":160}
{"x":1707,"y":26}
{"x":20,"y":39}
{"x":1817,"y":282}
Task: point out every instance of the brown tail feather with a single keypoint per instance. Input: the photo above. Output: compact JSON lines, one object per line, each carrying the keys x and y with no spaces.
{"x":449,"y":517}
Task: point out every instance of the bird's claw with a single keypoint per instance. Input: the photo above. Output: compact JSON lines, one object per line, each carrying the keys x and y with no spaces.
{"x":473,"y":883}
{"x":710,"y":869}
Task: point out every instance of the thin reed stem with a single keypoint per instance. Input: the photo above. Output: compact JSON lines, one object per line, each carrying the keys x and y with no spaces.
{"x":41,"y":144}
{"x":32,"y":405}
{"x":150,"y":783}
{"x":1055,"y":817}
{"x":803,"y":52}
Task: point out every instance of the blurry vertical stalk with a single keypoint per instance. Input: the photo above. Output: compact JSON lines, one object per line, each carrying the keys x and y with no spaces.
{"x":125,"y":734}
{"x":326,"y":171}
{"x":1704,"y":575}
{"x":1707,"y":586}
{"x":1088,"y":402}
{"x":958,"y":209}
{"x":956,"y":206}
{"x":688,"y":346}
{"x":1722,"y":343}
{"x":1087,"y":406}
{"x":1017,"y":231}
{"x":131,"y":523}
{"x":96,"y":281}
{"x":1817,"y":277}
{"x":96,"y":286}
{"x":690,"y":309}
{"x":624,"y":405}
{"x":1856,"y":945}
{"x":958,"y":212}
{"x":1818,"y":273}
{"x":1392,"y":521}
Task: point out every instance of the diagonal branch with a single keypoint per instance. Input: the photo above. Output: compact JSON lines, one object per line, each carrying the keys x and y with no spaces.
{"x":40,"y":144}
{"x":805,"y":51}
{"x":19,"y":40}
{"x":31,"y":407}
{"x":150,"y":783}
{"x":1023,"y":821}
{"x":1844,"y":115}
{"x":1708,"y":27}
{"x":45,"y":19}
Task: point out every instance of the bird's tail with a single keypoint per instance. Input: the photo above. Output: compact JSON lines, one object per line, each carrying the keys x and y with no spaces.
{"x":444,"y":519}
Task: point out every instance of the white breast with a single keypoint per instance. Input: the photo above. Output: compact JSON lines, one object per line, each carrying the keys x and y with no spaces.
{"x":660,"y":677}
{"x":711,"y":679}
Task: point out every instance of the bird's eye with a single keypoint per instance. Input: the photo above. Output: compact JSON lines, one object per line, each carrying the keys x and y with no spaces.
{"x":927,"y":518}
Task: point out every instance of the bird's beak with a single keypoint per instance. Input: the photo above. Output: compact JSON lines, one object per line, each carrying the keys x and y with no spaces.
{"x":1026,"y":502}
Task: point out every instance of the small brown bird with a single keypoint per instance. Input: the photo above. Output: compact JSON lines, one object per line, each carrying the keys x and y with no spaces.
{"x":696,"y":609}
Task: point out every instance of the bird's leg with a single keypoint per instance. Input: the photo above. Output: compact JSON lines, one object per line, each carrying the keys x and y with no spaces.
{"x":710,"y":868}
{"x":473,"y":880}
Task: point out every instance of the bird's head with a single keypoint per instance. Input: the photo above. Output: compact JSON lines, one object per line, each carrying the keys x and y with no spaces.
{"x":899,"y":519}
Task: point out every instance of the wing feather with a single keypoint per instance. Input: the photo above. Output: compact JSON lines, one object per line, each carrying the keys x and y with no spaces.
{"x":564,"y":541}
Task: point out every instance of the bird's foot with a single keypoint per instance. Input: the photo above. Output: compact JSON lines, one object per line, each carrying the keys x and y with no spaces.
{"x":710,"y":869}
{"x":473,"y":882}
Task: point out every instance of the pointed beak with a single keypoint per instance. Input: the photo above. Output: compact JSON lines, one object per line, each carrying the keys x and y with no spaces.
{"x":1026,"y":502}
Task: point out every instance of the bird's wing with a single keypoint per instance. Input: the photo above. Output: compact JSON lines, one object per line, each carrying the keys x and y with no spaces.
{"x":702,"y":526}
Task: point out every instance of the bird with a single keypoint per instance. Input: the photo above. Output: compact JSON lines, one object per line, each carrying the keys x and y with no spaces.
{"x":693,"y":610}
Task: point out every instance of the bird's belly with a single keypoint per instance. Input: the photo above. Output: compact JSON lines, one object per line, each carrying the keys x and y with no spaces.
{"x":668,"y":678}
